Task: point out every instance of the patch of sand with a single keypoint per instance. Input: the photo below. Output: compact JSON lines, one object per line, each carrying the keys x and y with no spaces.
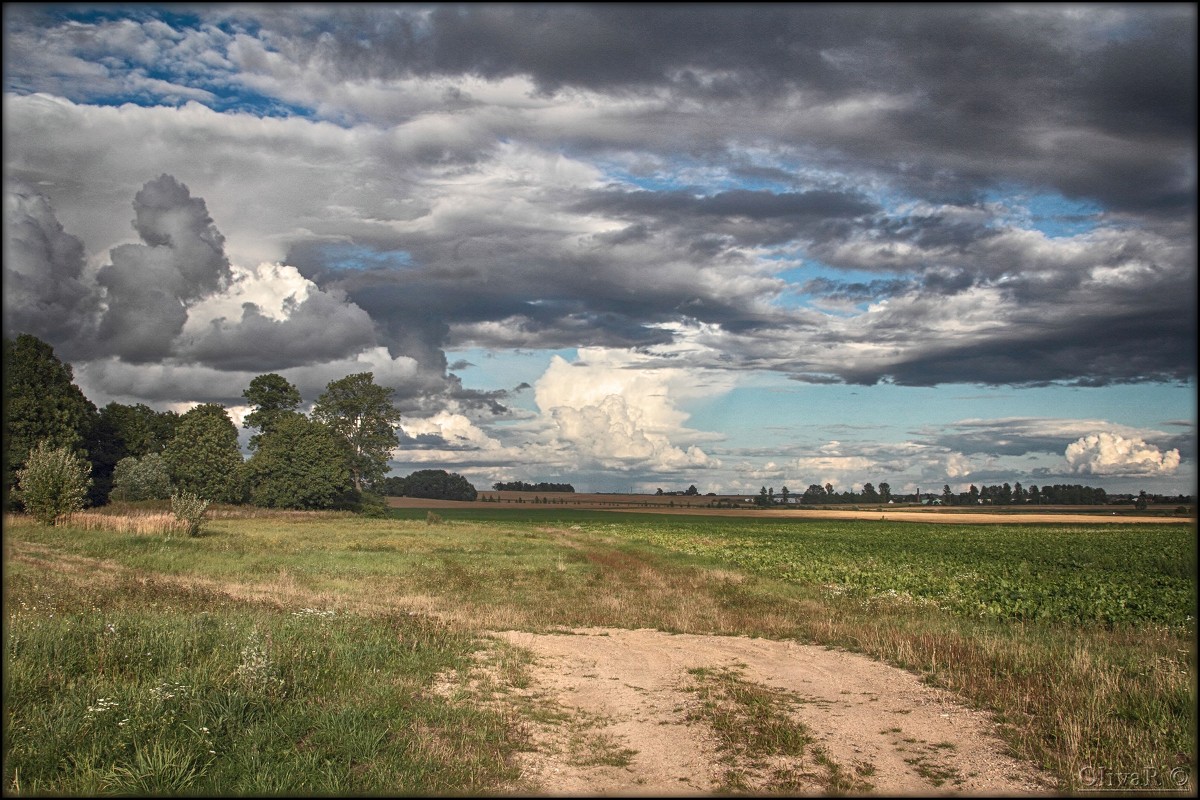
{"x":878,"y":722}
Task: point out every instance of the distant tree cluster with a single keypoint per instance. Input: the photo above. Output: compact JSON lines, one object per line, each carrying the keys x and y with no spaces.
{"x":132,"y":452}
{"x":817,"y":494}
{"x":522,"y":486}
{"x":691,"y":491}
{"x":433,"y":484}
{"x":1006,"y":495}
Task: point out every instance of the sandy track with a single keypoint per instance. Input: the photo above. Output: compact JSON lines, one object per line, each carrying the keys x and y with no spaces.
{"x":881,"y":723}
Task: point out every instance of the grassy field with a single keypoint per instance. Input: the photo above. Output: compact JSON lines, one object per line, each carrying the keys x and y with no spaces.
{"x":296,"y":653}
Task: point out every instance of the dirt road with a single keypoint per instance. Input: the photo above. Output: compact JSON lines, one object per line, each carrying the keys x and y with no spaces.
{"x":618,"y":717}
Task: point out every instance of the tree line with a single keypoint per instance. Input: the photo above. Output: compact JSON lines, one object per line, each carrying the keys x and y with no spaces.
{"x":435,"y":484}
{"x":331,"y":458}
{"x":522,"y":486}
{"x":1001,"y":494}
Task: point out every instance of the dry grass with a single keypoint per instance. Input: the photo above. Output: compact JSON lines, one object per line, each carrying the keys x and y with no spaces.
{"x":140,"y":524}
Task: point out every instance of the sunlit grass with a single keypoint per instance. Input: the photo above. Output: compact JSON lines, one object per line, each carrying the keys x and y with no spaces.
{"x":1072,"y":695}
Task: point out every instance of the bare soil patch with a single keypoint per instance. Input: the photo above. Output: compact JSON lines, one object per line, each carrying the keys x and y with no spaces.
{"x":615,"y":707}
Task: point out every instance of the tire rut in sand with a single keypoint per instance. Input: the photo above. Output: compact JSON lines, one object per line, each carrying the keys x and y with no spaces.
{"x":618,"y":717}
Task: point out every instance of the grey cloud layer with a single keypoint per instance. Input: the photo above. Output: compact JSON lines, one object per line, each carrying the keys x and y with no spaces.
{"x":878,"y":135}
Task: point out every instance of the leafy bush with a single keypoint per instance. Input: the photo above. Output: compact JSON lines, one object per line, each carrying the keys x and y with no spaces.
{"x":189,"y":508}
{"x":53,"y":483}
{"x":144,"y":478}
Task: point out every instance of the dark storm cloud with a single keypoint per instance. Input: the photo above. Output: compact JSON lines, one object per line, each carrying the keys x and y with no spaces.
{"x":1079,"y":100}
{"x":1098,"y":351}
{"x":45,"y":293}
{"x":1096,"y":101}
{"x":750,"y":217}
{"x":542,"y":294}
{"x":150,"y":285}
{"x":322,"y":327}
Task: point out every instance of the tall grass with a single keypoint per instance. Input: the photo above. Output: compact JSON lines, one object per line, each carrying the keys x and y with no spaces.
{"x":147,"y":688}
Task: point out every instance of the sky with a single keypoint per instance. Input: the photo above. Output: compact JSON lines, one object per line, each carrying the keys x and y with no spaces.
{"x":631,"y":247}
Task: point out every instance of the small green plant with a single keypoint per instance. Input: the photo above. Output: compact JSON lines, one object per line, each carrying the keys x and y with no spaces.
{"x":53,"y":483}
{"x":189,"y":508}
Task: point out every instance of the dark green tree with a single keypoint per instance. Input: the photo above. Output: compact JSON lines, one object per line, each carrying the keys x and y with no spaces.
{"x":272,"y":397}
{"x":361,"y":413}
{"x":124,"y":431}
{"x":299,"y":463}
{"x":139,"y":429}
{"x":204,"y":457}
{"x":437,"y":484}
{"x":42,"y":404}
{"x":885,"y":492}
{"x":869,"y":495}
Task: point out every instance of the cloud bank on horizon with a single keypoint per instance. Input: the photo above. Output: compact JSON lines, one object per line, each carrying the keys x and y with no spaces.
{"x":638,"y":216}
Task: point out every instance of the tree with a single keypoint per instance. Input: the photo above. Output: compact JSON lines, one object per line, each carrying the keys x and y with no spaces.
{"x":947,"y":496}
{"x":869,"y":494}
{"x":814,"y":494}
{"x":53,"y":483}
{"x":885,"y":493}
{"x":763,"y":498}
{"x":273,"y":398}
{"x":362,"y":415}
{"x":784,"y":494}
{"x":42,"y":403}
{"x":145,"y":478}
{"x":437,"y":484}
{"x":299,"y":464}
{"x":120,"y":432}
{"x":204,"y":457}
{"x":692,"y":491}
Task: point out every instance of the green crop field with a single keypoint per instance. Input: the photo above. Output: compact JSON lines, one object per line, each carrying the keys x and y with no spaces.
{"x":295,"y":653}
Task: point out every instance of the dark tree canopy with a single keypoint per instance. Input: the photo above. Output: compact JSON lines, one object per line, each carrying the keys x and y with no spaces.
{"x":204,"y":457}
{"x":124,"y":431}
{"x":436,"y":484}
{"x":272,"y":397}
{"x":522,"y":486}
{"x":361,"y":413}
{"x":299,"y":464}
{"x":42,"y":404}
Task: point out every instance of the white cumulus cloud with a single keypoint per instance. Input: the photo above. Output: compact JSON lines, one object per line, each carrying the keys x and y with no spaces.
{"x":612,"y":413}
{"x":1110,"y":454}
